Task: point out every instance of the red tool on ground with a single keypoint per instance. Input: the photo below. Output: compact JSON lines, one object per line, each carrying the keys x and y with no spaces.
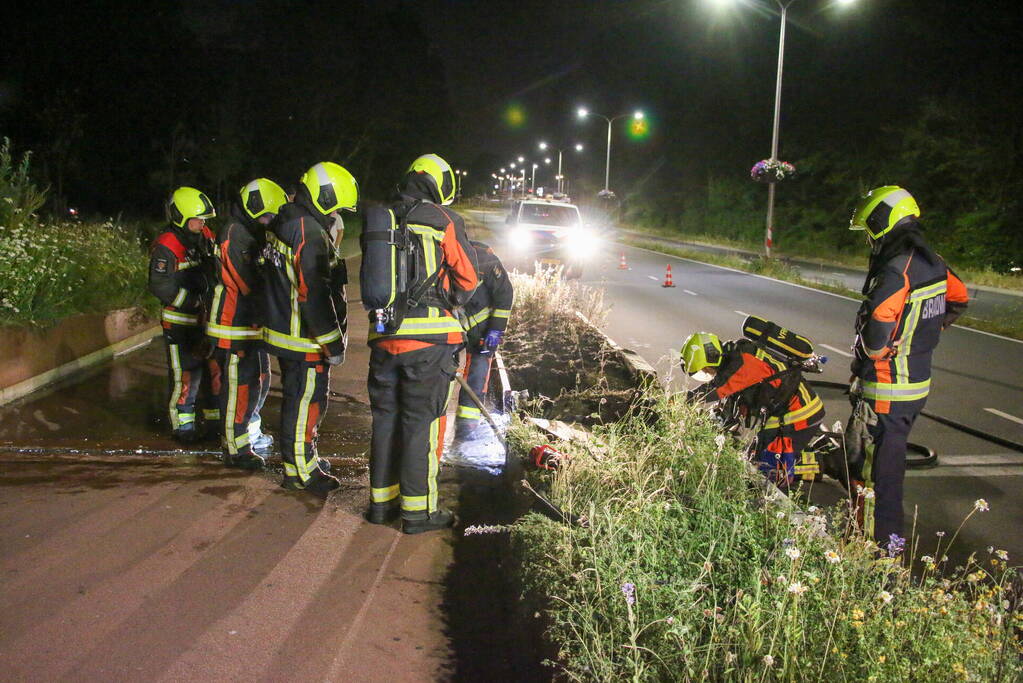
{"x":547,"y":457}
{"x":622,"y":265}
{"x":667,"y":278}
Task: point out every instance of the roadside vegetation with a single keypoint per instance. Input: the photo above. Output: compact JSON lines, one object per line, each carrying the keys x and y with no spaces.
{"x":689,"y":569}
{"x":50,"y":269}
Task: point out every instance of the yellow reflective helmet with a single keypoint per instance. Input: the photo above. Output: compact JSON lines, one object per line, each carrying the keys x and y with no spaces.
{"x":881,"y":209}
{"x":262,"y":196}
{"x":188,"y":202}
{"x":440,"y":174}
{"x":700,"y":350}
{"x":331,"y":187}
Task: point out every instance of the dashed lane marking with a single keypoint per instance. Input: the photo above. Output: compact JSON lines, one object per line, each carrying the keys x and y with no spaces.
{"x":1012,"y":418}
{"x":690,"y":292}
{"x":744,"y":315}
{"x":653,"y":278}
{"x":838,"y":351}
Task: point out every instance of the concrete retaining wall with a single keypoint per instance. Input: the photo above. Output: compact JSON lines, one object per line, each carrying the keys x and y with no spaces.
{"x":32,"y":358}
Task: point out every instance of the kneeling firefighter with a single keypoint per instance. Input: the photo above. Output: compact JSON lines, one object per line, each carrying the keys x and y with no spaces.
{"x":306,"y":320}
{"x":236,"y":321}
{"x":910,"y":296}
{"x":487,"y":315}
{"x":766,"y":383}
{"x":180,"y":277}
{"x":417,"y":268}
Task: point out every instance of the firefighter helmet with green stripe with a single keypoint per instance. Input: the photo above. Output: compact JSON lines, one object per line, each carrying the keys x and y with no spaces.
{"x":881,"y":209}
{"x":331,"y":187}
{"x":186,"y":203}
{"x":700,"y":351}
{"x":262,"y":196}
{"x":441,"y":177}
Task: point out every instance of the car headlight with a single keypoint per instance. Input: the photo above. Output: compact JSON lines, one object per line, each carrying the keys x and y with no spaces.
{"x":581,"y":243}
{"x":520,"y":239}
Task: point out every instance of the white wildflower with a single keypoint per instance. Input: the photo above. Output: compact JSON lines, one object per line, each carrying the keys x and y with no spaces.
{"x":797,"y":588}
{"x":980,"y":505}
{"x":885,"y":596}
{"x":793,"y":553}
{"x":832,"y":557}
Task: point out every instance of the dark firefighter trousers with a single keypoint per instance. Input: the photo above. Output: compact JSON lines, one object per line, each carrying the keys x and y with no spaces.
{"x":409,"y":394}
{"x":883,"y":468}
{"x":477,"y":375}
{"x":244,"y":385}
{"x":193,"y":379}
{"x":303,"y":405}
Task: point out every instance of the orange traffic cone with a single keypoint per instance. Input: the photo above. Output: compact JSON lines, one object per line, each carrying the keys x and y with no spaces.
{"x":667,"y":278}
{"x":622,"y":265}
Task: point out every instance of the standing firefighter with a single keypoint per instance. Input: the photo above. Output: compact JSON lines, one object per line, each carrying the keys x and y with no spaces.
{"x":236,"y":323}
{"x":487,"y":313}
{"x":417,"y":267}
{"x":766,"y":386}
{"x":911,"y":296}
{"x":306,"y":314}
{"x":178,"y":277}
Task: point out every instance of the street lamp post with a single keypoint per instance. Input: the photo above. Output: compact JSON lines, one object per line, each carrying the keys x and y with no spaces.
{"x":543,"y":147}
{"x":583,"y":112}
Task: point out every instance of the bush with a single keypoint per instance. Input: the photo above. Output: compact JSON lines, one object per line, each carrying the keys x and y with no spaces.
{"x":49,"y":270}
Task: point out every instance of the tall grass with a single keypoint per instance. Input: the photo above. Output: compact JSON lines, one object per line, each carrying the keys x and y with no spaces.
{"x":52,"y":269}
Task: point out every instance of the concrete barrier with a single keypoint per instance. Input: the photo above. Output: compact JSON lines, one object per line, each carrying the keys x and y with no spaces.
{"x":34,"y":358}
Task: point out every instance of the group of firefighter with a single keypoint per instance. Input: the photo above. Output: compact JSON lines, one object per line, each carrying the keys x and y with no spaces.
{"x":271,"y":282}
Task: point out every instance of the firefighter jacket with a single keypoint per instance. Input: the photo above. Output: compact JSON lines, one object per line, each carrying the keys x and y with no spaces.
{"x":180,"y":276}
{"x":235,"y":320}
{"x":764,"y":382}
{"x":491,"y":304}
{"x":303,"y":295}
{"x":911,"y":296}
{"x":441,"y":243}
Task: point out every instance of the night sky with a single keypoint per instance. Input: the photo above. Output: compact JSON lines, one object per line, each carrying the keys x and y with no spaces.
{"x":123,"y":99}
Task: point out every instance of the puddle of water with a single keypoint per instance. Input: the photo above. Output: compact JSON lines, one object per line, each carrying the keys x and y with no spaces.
{"x":483,"y":452}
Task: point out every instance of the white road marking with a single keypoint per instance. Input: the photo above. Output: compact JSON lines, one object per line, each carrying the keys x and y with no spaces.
{"x":999,"y":413}
{"x":690,"y":293}
{"x":838,"y":274}
{"x":655,"y":279}
{"x":809,"y":289}
{"x":744,"y":315}
{"x":838,"y":351}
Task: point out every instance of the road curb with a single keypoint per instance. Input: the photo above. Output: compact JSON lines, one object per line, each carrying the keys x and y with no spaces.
{"x":639,"y":369}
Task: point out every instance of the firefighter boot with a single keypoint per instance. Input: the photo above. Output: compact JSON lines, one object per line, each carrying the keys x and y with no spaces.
{"x":245,"y":461}
{"x":383,"y":513}
{"x":438,"y":519}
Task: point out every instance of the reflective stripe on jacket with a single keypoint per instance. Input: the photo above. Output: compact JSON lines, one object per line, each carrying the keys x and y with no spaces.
{"x":177,"y":276}
{"x":491,"y":303}
{"x":235,"y":322}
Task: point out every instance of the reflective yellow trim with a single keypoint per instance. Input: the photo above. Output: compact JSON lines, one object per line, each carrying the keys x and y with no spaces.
{"x":211,"y":413}
{"x":413,"y":326}
{"x":413,"y":503}
{"x":185,"y":265}
{"x":332,"y":336}
{"x":180,"y":298}
{"x":301,"y":462}
{"x":795,"y":416}
{"x":905,"y":391}
{"x":928,"y":292}
{"x":427,"y":231}
{"x":232,"y":406}
{"x":286,"y":341}
{"x":384,"y":495}
{"x":176,"y":318}
{"x":502,"y":312}
{"x":175,"y":363}
{"x":480,"y":317}
{"x":290,"y":469}
{"x":468,"y":413}
{"x":233,"y":332}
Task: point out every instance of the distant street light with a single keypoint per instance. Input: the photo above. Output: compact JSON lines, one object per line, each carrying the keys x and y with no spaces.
{"x":583,"y":112}
{"x":784,"y":7}
{"x":532,"y":179}
{"x":544,"y":146}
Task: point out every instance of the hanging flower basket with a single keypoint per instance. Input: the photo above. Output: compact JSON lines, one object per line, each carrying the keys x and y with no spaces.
{"x":772,"y":171}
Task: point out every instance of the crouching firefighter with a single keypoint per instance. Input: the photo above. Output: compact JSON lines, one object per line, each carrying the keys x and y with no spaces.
{"x":911,"y":295}
{"x":178,"y":277}
{"x":766,"y":383}
{"x":486,"y":316}
{"x":417,"y":267}
{"x":236,"y":323}
{"x":306,"y":320}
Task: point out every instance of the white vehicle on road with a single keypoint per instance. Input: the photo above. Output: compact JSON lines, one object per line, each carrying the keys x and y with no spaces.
{"x":544,"y":232}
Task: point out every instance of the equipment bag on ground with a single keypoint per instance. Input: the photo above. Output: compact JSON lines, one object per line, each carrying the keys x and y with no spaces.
{"x":783,"y":344}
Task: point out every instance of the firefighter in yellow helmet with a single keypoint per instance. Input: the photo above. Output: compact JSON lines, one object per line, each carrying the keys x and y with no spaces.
{"x":306,"y":321}
{"x":415,"y":338}
{"x":236,"y":321}
{"x":178,"y":277}
{"x":910,"y":296}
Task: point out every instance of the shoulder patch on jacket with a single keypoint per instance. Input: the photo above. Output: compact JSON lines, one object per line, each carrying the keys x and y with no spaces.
{"x":160,"y":265}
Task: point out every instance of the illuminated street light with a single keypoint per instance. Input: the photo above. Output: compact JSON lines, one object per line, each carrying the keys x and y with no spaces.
{"x":583,"y":112}
{"x":783,"y":5}
{"x":521,"y":159}
{"x":547,"y":160}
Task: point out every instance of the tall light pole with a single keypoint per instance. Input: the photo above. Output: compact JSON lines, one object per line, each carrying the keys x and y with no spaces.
{"x":783,"y":6}
{"x":583,"y":112}
{"x":543,"y":147}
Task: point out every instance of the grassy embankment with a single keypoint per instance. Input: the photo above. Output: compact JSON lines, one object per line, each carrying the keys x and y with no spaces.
{"x":686,"y":571}
{"x":1008,"y":322}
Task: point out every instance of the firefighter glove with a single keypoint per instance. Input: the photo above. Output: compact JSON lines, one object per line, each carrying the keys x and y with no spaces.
{"x":492,"y":340}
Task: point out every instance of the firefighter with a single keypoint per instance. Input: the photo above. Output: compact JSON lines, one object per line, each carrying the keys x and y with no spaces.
{"x":762,"y":384}
{"x":178,"y":277}
{"x":306,"y":321}
{"x":411,"y":370}
{"x":235,"y":325}
{"x":487,"y":317}
{"x":910,"y":296}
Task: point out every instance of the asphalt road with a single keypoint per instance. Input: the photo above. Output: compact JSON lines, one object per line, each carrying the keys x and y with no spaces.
{"x":977,"y":379}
